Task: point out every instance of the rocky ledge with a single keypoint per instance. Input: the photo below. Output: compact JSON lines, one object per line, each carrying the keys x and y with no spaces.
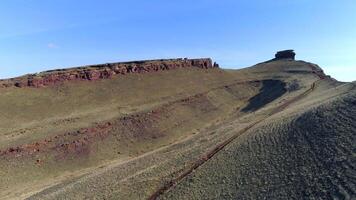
{"x":104,"y":71}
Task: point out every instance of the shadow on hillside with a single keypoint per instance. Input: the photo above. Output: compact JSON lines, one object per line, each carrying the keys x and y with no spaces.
{"x":270,"y":91}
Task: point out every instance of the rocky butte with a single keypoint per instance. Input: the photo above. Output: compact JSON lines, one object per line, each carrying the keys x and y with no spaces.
{"x":286,"y":54}
{"x":104,"y":71}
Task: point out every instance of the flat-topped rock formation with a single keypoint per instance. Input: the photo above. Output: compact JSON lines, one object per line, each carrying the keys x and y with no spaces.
{"x":286,"y":54}
{"x":104,"y":71}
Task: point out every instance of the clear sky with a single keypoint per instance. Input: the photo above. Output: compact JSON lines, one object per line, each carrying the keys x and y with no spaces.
{"x":37,"y":35}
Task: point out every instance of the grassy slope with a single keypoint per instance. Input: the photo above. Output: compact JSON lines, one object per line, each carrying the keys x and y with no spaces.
{"x":29,"y":114}
{"x":308,"y":151}
{"x":146,"y":112}
{"x":139,"y":177}
{"x":196,"y":109}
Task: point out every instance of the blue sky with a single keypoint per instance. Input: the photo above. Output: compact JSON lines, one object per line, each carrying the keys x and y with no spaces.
{"x":37,"y":35}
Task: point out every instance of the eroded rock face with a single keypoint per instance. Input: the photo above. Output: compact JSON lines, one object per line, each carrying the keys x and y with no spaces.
{"x":286,"y":54}
{"x":104,"y":71}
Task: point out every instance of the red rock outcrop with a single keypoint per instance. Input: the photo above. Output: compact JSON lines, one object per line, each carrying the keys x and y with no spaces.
{"x":104,"y":71}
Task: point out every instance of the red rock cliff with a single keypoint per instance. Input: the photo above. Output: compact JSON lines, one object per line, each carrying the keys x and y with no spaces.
{"x":104,"y":71}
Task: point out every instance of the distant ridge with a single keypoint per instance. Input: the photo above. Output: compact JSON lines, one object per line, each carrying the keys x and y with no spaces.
{"x":104,"y":71}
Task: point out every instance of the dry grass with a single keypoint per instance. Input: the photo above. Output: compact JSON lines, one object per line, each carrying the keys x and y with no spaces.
{"x":158,"y":125}
{"x":155,"y":110}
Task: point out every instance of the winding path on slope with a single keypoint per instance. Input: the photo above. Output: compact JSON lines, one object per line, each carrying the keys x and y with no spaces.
{"x":201,"y":161}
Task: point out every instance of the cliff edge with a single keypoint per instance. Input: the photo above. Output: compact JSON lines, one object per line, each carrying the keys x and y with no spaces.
{"x":104,"y":71}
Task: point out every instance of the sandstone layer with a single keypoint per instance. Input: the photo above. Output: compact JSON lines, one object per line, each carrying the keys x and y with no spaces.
{"x":104,"y":71}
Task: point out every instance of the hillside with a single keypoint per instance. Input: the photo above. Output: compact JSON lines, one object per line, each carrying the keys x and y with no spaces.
{"x":300,"y":153}
{"x":178,"y":129}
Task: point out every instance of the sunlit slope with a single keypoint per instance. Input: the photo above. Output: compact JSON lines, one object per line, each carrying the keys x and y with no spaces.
{"x":305,"y":152}
{"x":70,"y":129}
{"x":29,"y":113}
{"x":253,"y":97}
{"x":129,"y":136}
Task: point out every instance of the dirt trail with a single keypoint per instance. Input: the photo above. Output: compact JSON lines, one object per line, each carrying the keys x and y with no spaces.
{"x":221,"y":146}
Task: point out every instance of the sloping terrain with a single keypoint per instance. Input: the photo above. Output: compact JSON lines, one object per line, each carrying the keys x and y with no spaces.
{"x":309,"y":155}
{"x":188,"y":130}
{"x":51,"y":133}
